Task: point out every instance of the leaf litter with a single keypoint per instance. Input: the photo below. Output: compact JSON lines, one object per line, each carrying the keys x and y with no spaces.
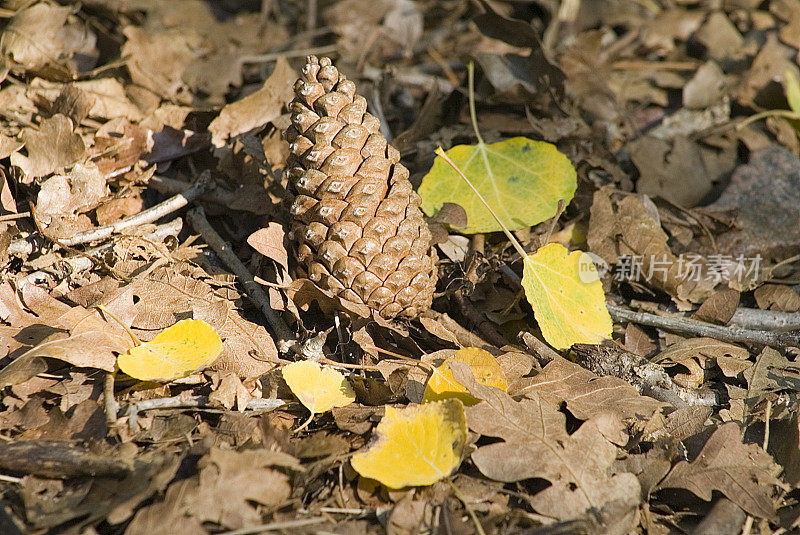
{"x":668,"y":130}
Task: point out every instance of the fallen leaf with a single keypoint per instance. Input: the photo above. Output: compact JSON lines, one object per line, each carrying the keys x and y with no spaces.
{"x":157,"y":61}
{"x":79,"y":191}
{"x":521,"y":179}
{"x":248,"y":350}
{"x":484,"y":366}
{"x":269,"y":242}
{"x":777,"y":297}
{"x":567,"y":297}
{"x":587,"y":395}
{"x":319,"y":389}
{"x":256,"y":109}
{"x":720,"y":307}
{"x":418,"y":445}
{"x":175,"y":352}
{"x":742,"y":472}
{"x":534,"y":443}
{"x":231,"y":482}
{"x":54,"y":145}
{"x":45,"y":34}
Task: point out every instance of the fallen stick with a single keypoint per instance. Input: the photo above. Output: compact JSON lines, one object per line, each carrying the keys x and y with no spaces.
{"x":86,"y":260}
{"x":770,"y":320}
{"x":285,"y":339}
{"x":158,"y":211}
{"x":58,"y":460}
{"x":197,"y":402}
{"x":192,"y":402}
{"x":692,"y":327}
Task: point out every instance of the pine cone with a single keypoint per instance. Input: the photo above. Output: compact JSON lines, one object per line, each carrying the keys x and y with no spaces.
{"x":357,"y":222}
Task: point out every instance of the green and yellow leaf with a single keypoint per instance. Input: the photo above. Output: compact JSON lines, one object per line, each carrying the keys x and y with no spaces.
{"x":567,"y":297}
{"x":523,"y":180}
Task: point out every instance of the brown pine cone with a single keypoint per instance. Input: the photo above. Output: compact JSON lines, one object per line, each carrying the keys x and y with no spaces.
{"x":357,"y":222}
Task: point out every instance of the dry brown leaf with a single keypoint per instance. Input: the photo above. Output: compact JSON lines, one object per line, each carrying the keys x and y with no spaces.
{"x":248,"y":350}
{"x":536,"y":444}
{"x":768,"y":66}
{"x":742,"y":472}
{"x":269,"y":242}
{"x":680,"y":171}
{"x":214,"y":74}
{"x":45,"y":34}
{"x":53,"y":146}
{"x":777,"y":297}
{"x":719,"y":307}
{"x":165,"y":294}
{"x":626,"y":229}
{"x":79,"y":191}
{"x":92,"y":349}
{"x":229,"y":481}
{"x":157,"y":61}
{"x":230,"y":390}
{"x":256,"y":109}
{"x":588,"y":395}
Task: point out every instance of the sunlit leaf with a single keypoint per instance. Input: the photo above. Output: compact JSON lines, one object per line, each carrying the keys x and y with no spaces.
{"x":567,"y":296}
{"x":792,"y":88}
{"x":521,"y":179}
{"x":319,"y":389}
{"x":417,"y":445}
{"x":175,"y":352}
{"x":484,"y":366}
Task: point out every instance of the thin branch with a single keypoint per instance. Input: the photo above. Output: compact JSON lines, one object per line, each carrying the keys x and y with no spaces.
{"x":285,"y":339}
{"x":698,"y":328}
{"x":198,"y":402}
{"x":146,"y":216}
{"x":769,"y":320}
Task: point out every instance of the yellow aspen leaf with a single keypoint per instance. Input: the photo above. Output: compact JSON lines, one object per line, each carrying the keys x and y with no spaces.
{"x":567,"y":296}
{"x":175,"y":352}
{"x":416,"y":446}
{"x":485,"y":369}
{"x":319,"y":389}
{"x":521,"y":178}
{"x":792,"y":88}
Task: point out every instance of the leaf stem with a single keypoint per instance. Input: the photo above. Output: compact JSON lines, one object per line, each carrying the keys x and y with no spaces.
{"x":511,"y":238}
{"x":470,"y":510}
{"x":472,"y":115}
{"x":305,"y":424}
{"x":104,"y":310}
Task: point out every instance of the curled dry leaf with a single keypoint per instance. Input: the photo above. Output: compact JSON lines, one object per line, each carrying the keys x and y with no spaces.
{"x":256,"y":109}
{"x":269,"y":242}
{"x":54,"y":145}
{"x":45,"y":34}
